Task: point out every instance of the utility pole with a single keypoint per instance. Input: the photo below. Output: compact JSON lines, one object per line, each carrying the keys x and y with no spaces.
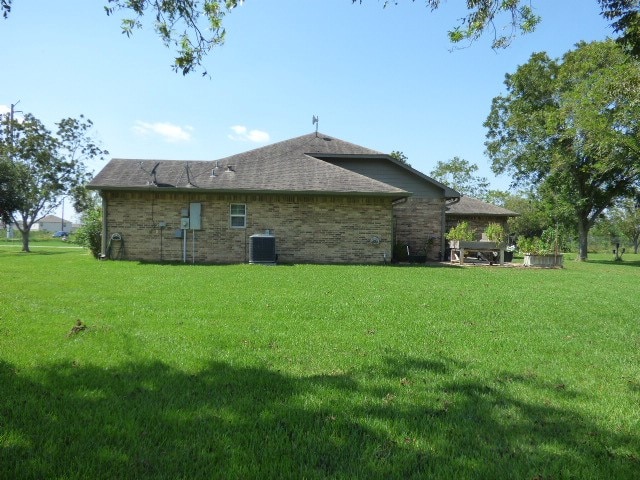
{"x":13,"y":110}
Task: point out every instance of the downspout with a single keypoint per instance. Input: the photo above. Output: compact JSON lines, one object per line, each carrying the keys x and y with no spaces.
{"x":104,"y":224}
{"x":443,"y":227}
{"x":394,"y":222}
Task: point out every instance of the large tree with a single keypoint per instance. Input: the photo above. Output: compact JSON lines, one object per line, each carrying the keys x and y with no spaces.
{"x":570,"y":127}
{"x":194,"y":27}
{"x":44,"y":166}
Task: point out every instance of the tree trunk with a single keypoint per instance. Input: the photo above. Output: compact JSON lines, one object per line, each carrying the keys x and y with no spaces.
{"x":583,"y":232}
{"x":25,"y":240}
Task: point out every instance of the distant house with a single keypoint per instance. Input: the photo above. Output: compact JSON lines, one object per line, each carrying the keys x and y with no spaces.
{"x":52,"y":223}
{"x":314,"y":198}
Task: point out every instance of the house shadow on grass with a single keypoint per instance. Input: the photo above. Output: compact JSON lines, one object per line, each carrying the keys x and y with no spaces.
{"x":420,"y":420}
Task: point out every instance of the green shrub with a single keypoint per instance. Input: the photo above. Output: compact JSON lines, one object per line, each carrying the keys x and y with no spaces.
{"x":89,"y":235}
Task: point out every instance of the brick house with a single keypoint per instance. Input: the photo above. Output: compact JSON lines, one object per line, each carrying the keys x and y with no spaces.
{"x":318,"y":199}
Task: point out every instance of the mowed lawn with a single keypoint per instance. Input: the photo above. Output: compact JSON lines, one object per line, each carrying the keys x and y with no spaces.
{"x":312,"y":371}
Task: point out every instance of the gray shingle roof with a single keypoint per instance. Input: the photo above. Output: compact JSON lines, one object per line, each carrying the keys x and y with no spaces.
{"x":283,"y":167}
{"x":469,"y":206}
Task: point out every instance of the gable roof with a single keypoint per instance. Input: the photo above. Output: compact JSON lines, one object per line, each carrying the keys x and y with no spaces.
{"x":382,"y":175}
{"x":52,"y":219}
{"x":284,"y":167}
{"x":469,"y":206}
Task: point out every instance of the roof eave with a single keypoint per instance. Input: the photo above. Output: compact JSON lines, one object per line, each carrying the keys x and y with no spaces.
{"x":151,"y":188}
{"x":482,"y":214}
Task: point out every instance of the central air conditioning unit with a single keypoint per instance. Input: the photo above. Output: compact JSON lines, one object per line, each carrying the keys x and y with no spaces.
{"x":262,"y":248}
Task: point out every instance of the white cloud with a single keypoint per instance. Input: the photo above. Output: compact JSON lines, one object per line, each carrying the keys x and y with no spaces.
{"x":4,"y":109}
{"x":168,"y":131}
{"x":243,"y":134}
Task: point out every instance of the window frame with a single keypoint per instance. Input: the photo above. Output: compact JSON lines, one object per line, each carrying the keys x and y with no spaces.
{"x":233,"y":215}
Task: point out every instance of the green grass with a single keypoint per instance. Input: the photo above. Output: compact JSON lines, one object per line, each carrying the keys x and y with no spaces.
{"x":317,"y":371}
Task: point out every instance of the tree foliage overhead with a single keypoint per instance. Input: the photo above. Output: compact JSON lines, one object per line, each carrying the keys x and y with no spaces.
{"x":624,"y":16}
{"x":518,"y":17}
{"x":571,"y":128}
{"x":483,"y":16}
{"x":194,"y":27}
{"x":44,"y":166}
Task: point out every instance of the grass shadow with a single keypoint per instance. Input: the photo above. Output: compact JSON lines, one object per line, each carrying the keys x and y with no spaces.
{"x":614,"y":263}
{"x":16,"y":252}
{"x":150,"y":420}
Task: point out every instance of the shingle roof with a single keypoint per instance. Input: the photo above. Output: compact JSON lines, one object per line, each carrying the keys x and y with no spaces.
{"x":51,"y":219}
{"x":284,"y":167}
{"x":469,"y":206}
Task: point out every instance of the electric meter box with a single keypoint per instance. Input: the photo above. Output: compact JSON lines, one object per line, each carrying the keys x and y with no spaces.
{"x":195,"y":210}
{"x":184,"y":223}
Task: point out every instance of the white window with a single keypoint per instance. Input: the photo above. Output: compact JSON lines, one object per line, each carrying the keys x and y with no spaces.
{"x":238,"y":215}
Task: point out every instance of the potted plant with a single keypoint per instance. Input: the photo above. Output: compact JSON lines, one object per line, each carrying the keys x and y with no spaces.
{"x":460,"y":233}
{"x":495,"y":233}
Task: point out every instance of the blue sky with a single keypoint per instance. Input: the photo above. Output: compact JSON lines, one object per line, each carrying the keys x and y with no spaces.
{"x":382,"y":78}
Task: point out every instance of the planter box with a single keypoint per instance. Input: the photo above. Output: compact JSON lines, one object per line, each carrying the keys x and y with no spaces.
{"x":485,"y":247}
{"x":474,"y":245}
{"x":547,"y":261}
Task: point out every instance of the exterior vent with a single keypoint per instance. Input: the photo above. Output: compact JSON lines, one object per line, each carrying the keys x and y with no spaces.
{"x":262,"y":248}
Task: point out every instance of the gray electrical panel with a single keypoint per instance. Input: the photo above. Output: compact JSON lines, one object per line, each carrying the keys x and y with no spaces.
{"x":195,"y":211}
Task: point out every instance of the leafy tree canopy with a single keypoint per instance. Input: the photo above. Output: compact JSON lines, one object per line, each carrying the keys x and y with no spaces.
{"x":401,"y":157}
{"x":43,"y":166}
{"x":194,"y":27}
{"x":459,"y":174}
{"x":570,"y":127}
